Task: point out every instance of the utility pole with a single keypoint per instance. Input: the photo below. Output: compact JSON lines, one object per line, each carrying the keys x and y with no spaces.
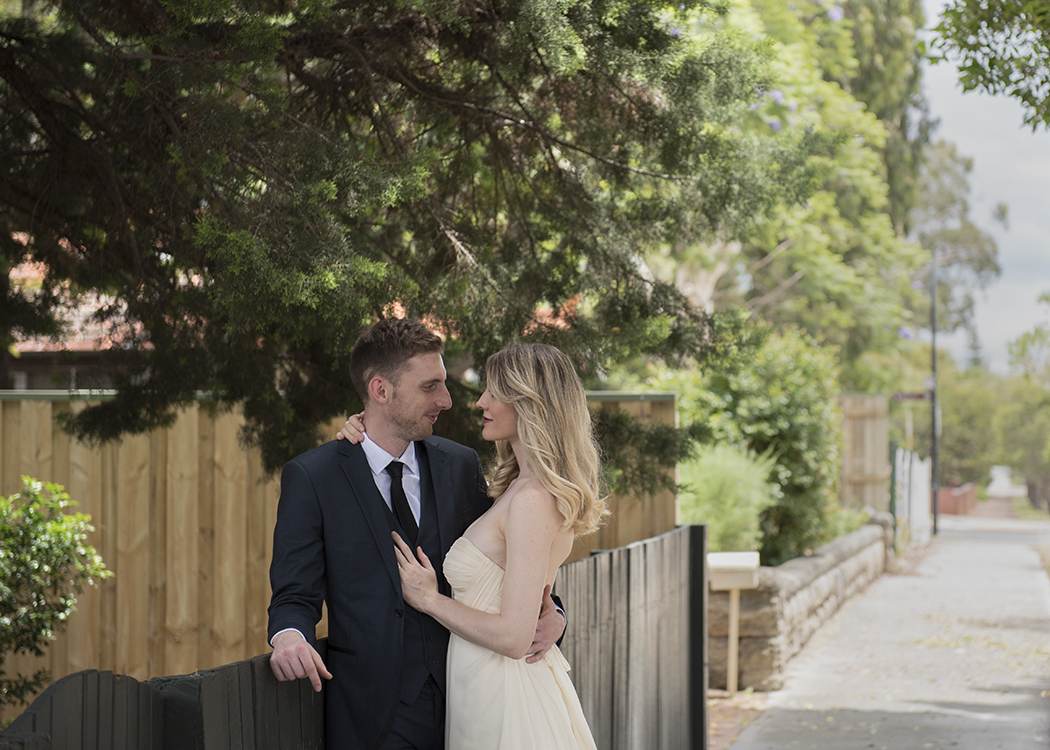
{"x":935,"y":422}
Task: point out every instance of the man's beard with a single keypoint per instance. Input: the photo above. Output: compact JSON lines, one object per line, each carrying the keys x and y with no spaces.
{"x":411,"y":429}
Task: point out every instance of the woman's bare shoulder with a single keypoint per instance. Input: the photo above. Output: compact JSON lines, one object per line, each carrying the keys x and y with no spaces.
{"x":532,"y":498}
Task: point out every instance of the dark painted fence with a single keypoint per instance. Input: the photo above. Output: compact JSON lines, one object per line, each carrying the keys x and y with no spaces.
{"x":637,"y":642}
{"x":240,"y":705}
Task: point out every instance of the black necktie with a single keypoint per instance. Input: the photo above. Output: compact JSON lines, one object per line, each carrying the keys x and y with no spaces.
{"x":400,"y":502}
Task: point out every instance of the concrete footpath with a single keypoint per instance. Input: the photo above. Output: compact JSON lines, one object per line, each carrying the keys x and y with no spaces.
{"x":953,"y":653}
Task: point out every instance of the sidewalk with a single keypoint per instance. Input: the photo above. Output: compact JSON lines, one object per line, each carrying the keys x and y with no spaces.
{"x":954,"y":653}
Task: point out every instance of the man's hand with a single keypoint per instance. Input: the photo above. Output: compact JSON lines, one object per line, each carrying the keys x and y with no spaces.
{"x":549,"y":629}
{"x":294,"y":658}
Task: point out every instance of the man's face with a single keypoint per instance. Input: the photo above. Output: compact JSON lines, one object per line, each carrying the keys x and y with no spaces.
{"x":419,"y":396}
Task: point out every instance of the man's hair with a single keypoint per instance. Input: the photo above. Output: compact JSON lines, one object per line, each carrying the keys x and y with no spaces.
{"x":385,"y":348}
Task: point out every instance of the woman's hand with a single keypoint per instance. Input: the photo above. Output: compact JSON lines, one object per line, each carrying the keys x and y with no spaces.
{"x":418,"y":579}
{"x":354,"y":429}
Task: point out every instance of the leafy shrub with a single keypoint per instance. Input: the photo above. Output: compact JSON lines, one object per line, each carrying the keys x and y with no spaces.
{"x":727,"y":489}
{"x":780,"y":404}
{"x":44,"y":564}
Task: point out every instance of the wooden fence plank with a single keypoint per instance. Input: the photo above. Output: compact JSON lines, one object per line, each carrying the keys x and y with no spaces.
{"x":266,"y":719}
{"x":181,"y":699}
{"x":109,"y":523}
{"x":37,"y":451}
{"x":158,"y":549}
{"x":230,"y":523}
{"x":259,"y":541}
{"x":215,"y":710}
{"x":289,"y":715}
{"x":121,"y":720}
{"x":91,"y":709}
{"x":698,"y":651}
{"x":206,"y":551}
{"x":181,"y":554}
{"x":10,"y":481}
{"x":106,"y":714}
{"x":67,"y":706}
{"x":133,"y":557}
{"x":159,"y":727}
{"x":83,"y":479}
{"x":606,"y":633}
{"x":621,"y":672}
{"x":247,"y":704}
{"x":31,"y":454}
{"x":59,"y":650}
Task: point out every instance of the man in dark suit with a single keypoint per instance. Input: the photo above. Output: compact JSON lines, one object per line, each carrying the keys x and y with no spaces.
{"x":339,"y":503}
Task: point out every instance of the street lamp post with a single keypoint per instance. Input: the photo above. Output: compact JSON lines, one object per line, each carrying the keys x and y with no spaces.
{"x":935,"y":422}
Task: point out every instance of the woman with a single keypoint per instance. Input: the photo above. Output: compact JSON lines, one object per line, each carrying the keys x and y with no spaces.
{"x":545,"y":490}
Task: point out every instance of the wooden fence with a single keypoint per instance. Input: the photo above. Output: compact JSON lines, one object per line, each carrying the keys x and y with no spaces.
{"x":637,"y":642}
{"x":634,"y":517}
{"x":865,"y":452}
{"x":184,"y":518}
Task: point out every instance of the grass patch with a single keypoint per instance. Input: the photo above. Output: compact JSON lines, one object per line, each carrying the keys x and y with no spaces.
{"x":1023,"y":509}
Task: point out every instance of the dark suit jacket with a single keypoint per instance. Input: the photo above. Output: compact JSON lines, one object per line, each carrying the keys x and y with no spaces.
{"x":332,"y":543}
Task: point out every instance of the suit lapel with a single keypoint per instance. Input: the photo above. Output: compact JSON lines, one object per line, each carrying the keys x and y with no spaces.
{"x":441,"y":477}
{"x":364,"y":491}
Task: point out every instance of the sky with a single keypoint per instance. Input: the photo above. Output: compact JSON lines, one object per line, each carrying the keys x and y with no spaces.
{"x":1011,"y":164}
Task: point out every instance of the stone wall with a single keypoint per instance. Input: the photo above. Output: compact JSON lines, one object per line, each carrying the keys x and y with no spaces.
{"x":793,"y":600}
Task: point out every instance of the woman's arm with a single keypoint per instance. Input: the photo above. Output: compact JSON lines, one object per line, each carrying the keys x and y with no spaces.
{"x":354,"y":429}
{"x":531,"y":524}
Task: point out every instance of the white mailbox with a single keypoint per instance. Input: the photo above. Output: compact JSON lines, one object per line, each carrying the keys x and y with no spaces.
{"x":732,"y":571}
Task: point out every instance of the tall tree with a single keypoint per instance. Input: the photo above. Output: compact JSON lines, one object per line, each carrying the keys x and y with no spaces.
{"x":967,"y":257}
{"x":251,"y":182}
{"x":1023,"y":419}
{"x":888,"y":79}
{"x":834,"y":266}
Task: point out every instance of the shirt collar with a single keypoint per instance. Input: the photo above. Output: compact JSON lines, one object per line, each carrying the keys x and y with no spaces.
{"x":379,"y":459}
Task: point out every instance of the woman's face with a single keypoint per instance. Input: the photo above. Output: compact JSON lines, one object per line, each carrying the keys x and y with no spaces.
{"x":499,"y":421}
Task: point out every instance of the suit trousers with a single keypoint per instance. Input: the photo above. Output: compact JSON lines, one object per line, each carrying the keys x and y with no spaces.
{"x":421,"y":725}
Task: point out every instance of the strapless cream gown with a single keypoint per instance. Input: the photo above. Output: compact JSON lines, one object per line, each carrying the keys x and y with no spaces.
{"x":497,"y":703}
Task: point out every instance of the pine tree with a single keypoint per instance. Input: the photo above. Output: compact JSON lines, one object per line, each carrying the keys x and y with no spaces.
{"x":251,"y":183}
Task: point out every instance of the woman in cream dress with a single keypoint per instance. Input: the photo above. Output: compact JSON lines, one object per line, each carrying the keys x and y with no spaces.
{"x":546,"y":492}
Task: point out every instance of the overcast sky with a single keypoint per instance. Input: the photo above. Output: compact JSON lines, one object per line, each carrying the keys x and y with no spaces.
{"x":1011,"y":165}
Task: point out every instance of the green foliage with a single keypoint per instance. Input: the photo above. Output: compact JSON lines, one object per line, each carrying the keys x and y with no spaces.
{"x":44,"y":564}
{"x":727,"y":489}
{"x":972,"y":401}
{"x":251,"y":183}
{"x":888,"y":79}
{"x":967,"y":257}
{"x":999,"y":47}
{"x":835,"y":266}
{"x":784,"y":405}
{"x":1022,"y":419}
{"x":781,"y":405}
{"x":640,"y":456}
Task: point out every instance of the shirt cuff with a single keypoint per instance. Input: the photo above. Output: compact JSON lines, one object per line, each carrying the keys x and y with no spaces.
{"x":296,"y":630}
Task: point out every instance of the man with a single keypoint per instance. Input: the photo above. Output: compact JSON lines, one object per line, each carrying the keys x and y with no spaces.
{"x":339,"y":503}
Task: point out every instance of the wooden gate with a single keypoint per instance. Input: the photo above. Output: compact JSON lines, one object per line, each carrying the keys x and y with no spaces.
{"x":866,"y":451}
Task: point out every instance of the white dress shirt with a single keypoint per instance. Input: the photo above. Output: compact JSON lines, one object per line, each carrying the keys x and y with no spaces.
{"x":379,"y":459}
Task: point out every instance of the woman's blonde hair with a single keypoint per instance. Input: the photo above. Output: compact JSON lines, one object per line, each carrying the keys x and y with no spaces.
{"x":554,"y":426}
